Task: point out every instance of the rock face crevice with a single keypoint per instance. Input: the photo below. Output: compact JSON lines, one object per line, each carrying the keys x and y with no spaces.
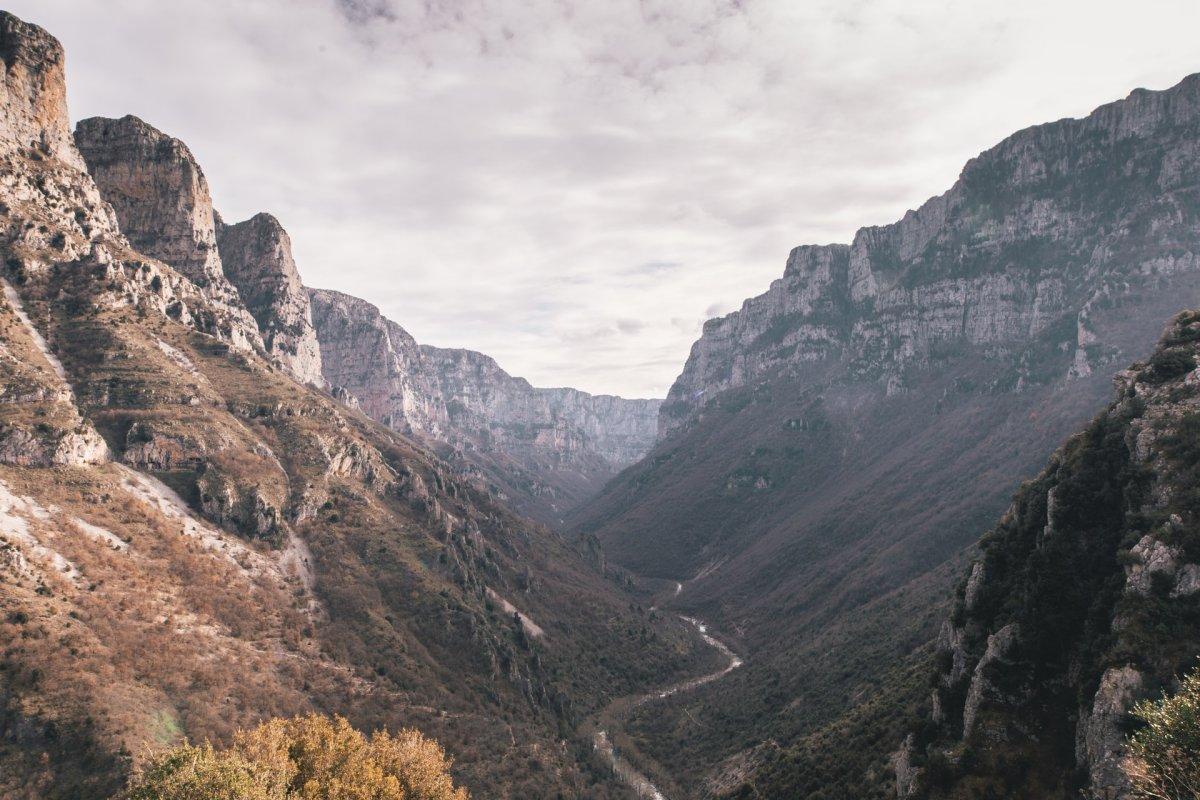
{"x":542,"y":450}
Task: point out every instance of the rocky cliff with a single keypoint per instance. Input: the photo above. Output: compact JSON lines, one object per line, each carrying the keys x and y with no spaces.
{"x":164,"y":207}
{"x":541,"y":450}
{"x":561,"y":424}
{"x":162,"y":202}
{"x":831,"y":447}
{"x":1083,"y":601}
{"x":192,"y":540}
{"x":256,"y":256}
{"x":1037,"y":232}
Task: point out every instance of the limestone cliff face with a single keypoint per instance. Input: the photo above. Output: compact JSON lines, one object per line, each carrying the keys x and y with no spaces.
{"x":1079,"y":604}
{"x":162,"y":202}
{"x":33,"y":96}
{"x":377,"y":362}
{"x":543,"y":450}
{"x":1037,"y":231}
{"x":557,"y":424}
{"x":256,"y":256}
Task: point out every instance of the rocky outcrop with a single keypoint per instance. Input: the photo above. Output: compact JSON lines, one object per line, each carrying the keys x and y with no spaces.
{"x":559,"y":424}
{"x":163,"y":205}
{"x":544,"y":450}
{"x":1075,"y":610}
{"x":1100,"y":732}
{"x":1038,"y":231}
{"x":377,"y":362}
{"x":34,"y":98}
{"x":256,"y":256}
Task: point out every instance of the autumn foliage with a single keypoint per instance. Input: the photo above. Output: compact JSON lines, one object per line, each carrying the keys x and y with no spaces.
{"x":303,"y":758}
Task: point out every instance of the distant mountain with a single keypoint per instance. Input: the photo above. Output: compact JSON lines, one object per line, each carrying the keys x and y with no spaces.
{"x":831,"y":448}
{"x":1084,"y":600}
{"x":194,"y":535}
{"x":542,"y":451}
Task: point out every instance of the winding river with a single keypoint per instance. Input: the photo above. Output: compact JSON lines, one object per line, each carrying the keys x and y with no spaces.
{"x":601,"y":742}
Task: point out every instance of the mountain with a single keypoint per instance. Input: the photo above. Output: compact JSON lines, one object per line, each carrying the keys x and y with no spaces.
{"x":1084,"y":599}
{"x":543,"y":451}
{"x":831,"y":448}
{"x":194,"y":536}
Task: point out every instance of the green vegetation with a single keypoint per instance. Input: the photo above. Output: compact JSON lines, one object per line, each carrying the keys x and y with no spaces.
{"x":1164,"y":762}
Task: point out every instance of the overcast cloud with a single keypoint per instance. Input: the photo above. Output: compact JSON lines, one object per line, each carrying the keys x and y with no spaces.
{"x":573,"y":186}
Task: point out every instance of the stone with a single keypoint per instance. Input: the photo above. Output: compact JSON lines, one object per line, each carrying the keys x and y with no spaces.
{"x":33,"y":97}
{"x":999,"y":646}
{"x":549,"y":442}
{"x":163,"y":205}
{"x":1100,"y":739}
{"x":1153,"y":558}
{"x":256,"y":256}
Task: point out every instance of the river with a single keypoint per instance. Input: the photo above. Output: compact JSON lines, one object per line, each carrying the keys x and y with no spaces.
{"x":641,"y":785}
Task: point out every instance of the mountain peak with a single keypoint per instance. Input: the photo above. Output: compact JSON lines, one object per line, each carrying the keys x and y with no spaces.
{"x":33,"y":95}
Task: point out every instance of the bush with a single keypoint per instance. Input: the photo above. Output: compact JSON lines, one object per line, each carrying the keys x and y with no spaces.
{"x":201,"y":773}
{"x":303,"y":758}
{"x":1164,"y":756}
{"x":1170,"y":363}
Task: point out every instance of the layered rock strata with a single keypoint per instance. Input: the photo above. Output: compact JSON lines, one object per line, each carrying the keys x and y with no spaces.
{"x":1037,"y":231}
{"x":256,"y":256}
{"x":542,"y":449}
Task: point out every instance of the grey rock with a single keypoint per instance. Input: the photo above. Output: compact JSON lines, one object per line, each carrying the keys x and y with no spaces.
{"x":33,"y":97}
{"x":163,"y":205}
{"x":551,"y":446}
{"x":256,"y":256}
{"x":1100,"y":741}
{"x":1021,"y":245}
{"x":999,"y":646}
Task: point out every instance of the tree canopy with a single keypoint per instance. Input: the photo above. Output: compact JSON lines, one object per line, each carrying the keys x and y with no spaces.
{"x":303,"y":758}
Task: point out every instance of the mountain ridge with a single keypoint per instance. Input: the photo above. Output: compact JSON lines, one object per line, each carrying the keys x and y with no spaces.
{"x":544,"y":450}
{"x":840,"y":440}
{"x":192,"y":540}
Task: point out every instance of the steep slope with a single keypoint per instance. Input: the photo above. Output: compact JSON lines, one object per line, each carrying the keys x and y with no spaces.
{"x":163,"y":204}
{"x":256,"y":256}
{"x":830,"y":448}
{"x":1085,"y":599}
{"x":191,"y":540}
{"x":543,"y":451}
{"x":162,"y":201}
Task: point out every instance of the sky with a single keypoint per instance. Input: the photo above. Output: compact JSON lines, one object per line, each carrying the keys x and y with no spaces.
{"x":574,"y":186}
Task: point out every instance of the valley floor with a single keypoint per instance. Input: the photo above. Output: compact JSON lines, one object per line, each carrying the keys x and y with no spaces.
{"x":617,"y":750}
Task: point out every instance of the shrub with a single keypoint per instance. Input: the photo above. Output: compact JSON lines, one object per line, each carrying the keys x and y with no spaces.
{"x":201,"y":773}
{"x":1164,"y":756}
{"x":1170,"y":363}
{"x":304,"y":758}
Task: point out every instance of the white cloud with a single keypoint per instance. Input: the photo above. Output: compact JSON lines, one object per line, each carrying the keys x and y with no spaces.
{"x":572,"y":186}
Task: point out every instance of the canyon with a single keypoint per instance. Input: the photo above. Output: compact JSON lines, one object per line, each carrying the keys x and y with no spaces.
{"x":831,"y":451}
{"x":197,"y":532}
{"x":848,"y":555}
{"x":542,"y":451}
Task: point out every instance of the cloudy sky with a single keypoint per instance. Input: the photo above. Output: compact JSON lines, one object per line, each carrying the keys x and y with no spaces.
{"x":573,"y":186}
